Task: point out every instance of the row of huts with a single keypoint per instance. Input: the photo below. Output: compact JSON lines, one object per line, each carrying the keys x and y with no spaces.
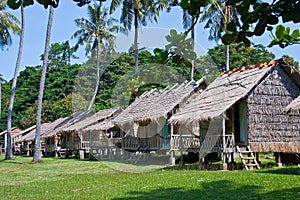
{"x":255,"y":106}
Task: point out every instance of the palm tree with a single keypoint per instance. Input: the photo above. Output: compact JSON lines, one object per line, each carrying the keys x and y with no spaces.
{"x":8,"y":23}
{"x":138,"y":12}
{"x":37,"y":149}
{"x":217,"y":16}
{"x":8,"y":154}
{"x":189,"y":23}
{"x":96,"y":31}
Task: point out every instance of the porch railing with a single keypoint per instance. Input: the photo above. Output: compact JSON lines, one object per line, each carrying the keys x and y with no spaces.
{"x":207,"y":144}
{"x":134,"y":143}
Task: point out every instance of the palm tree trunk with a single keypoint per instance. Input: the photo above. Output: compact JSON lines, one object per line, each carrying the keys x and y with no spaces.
{"x":37,"y":149}
{"x":227,"y":57}
{"x":136,"y":50}
{"x":193,"y":48}
{"x":98,"y":76}
{"x":9,"y":153}
{"x":227,"y":10}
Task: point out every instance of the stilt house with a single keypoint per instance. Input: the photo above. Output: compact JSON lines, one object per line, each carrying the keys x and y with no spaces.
{"x":247,"y":107}
{"x":144,"y":122}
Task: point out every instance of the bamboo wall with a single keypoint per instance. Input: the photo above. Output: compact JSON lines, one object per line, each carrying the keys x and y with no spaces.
{"x":271,"y":129}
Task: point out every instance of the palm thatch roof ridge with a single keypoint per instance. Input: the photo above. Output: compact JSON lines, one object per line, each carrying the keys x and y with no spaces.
{"x":91,"y":120}
{"x":152,"y":105}
{"x":51,"y":128}
{"x":45,"y":127}
{"x":294,"y":105}
{"x":227,"y":89}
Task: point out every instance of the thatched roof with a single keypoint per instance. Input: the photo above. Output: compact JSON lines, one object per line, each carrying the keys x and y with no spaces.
{"x":44,"y":129}
{"x":92,"y":120}
{"x":227,"y":89}
{"x":68,"y":121}
{"x":104,"y":125}
{"x":24,"y":132}
{"x":154,"y":104}
{"x":14,"y":131}
{"x":294,"y":105}
{"x":52,"y":128}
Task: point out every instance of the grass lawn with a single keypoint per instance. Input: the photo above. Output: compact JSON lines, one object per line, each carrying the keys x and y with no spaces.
{"x":56,"y":178}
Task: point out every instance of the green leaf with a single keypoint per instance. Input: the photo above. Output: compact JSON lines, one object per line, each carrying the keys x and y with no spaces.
{"x":260,"y":27}
{"x":272,"y":19}
{"x":295,"y":34}
{"x":231,"y":26}
{"x":13,"y":4}
{"x":228,"y":38}
{"x":279,"y":31}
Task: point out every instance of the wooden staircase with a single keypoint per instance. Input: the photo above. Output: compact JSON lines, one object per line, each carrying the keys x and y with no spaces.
{"x":248,"y":159}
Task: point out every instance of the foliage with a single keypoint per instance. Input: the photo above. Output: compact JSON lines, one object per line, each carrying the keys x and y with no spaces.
{"x":240,"y":55}
{"x":284,"y":38}
{"x":290,"y":61}
{"x":179,"y":51}
{"x":97,"y":29}
{"x":51,"y":179}
{"x":60,"y":54}
{"x":8,"y":24}
{"x":59,"y":83}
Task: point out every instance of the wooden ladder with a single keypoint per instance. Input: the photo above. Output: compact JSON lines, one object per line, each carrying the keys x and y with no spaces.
{"x":249,"y":161}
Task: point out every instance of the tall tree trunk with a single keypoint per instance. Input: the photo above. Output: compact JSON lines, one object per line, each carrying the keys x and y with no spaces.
{"x":98,"y":75}
{"x":37,"y":149}
{"x":227,"y":10}
{"x":9,"y":153}
{"x":193,"y":48}
{"x":136,"y":50}
{"x":227,"y":57}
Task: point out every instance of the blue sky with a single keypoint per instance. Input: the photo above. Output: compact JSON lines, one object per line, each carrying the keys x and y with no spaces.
{"x":63,"y":27}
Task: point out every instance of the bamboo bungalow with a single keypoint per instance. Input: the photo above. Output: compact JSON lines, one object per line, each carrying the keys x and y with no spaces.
{"x":104,"y":139}
{"x":75,"y":137}
{"x":250,"y":103}
{"x":49,"y":132}
{"x":144,"y":122}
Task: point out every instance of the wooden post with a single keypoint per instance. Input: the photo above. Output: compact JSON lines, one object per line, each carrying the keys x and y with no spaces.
{"x":224,"y":157}
{"x":278,"y":159}
{"x":172,"y":152}
{"x":181,"y":149}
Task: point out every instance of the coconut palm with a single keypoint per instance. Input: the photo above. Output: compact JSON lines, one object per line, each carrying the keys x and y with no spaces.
{"x":37,"y":149}
{"x":138,"y":12}
{"x":8,"y":154}
{"x":217,"y":16}
{"x":8,"y":24}
{"x":95,"y":33}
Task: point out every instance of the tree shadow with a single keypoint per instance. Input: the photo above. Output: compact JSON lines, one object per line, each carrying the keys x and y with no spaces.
{"x":213,"y":190}
{"x":283,"y":171}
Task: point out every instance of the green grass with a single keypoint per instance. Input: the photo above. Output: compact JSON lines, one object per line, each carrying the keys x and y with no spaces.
{"x":74,"y":179}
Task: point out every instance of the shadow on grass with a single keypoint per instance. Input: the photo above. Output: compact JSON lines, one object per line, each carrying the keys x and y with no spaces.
{"x":213,"y":190}
{"x":283,"y":171}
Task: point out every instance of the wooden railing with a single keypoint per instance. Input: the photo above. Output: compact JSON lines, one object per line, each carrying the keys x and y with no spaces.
{"x":85,"y":145}
{"x":207,"y":144}
{"x":134,"y":143}
{"x":185,"y":143}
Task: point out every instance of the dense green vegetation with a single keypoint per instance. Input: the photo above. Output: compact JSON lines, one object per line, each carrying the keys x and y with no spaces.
{"x":56,"y":178}
{"x":69,"y":87}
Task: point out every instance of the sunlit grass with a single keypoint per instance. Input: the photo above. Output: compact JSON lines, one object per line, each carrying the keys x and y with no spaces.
{"x":56,"y":178}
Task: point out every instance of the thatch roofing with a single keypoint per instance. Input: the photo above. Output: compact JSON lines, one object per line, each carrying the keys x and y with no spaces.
{"x":227,"y":89}
{"x":52,"y":128}
{"x":294,"y":105}
{"x":104,"y":125}
{"x":14,"y":131}
{"x":44,"y":129}
{"x":92,"y":120}
{"x":24,"y":132}
{"x":154,"y":104}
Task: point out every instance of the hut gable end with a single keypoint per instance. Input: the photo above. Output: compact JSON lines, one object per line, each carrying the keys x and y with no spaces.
{"x":269,"y":125}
